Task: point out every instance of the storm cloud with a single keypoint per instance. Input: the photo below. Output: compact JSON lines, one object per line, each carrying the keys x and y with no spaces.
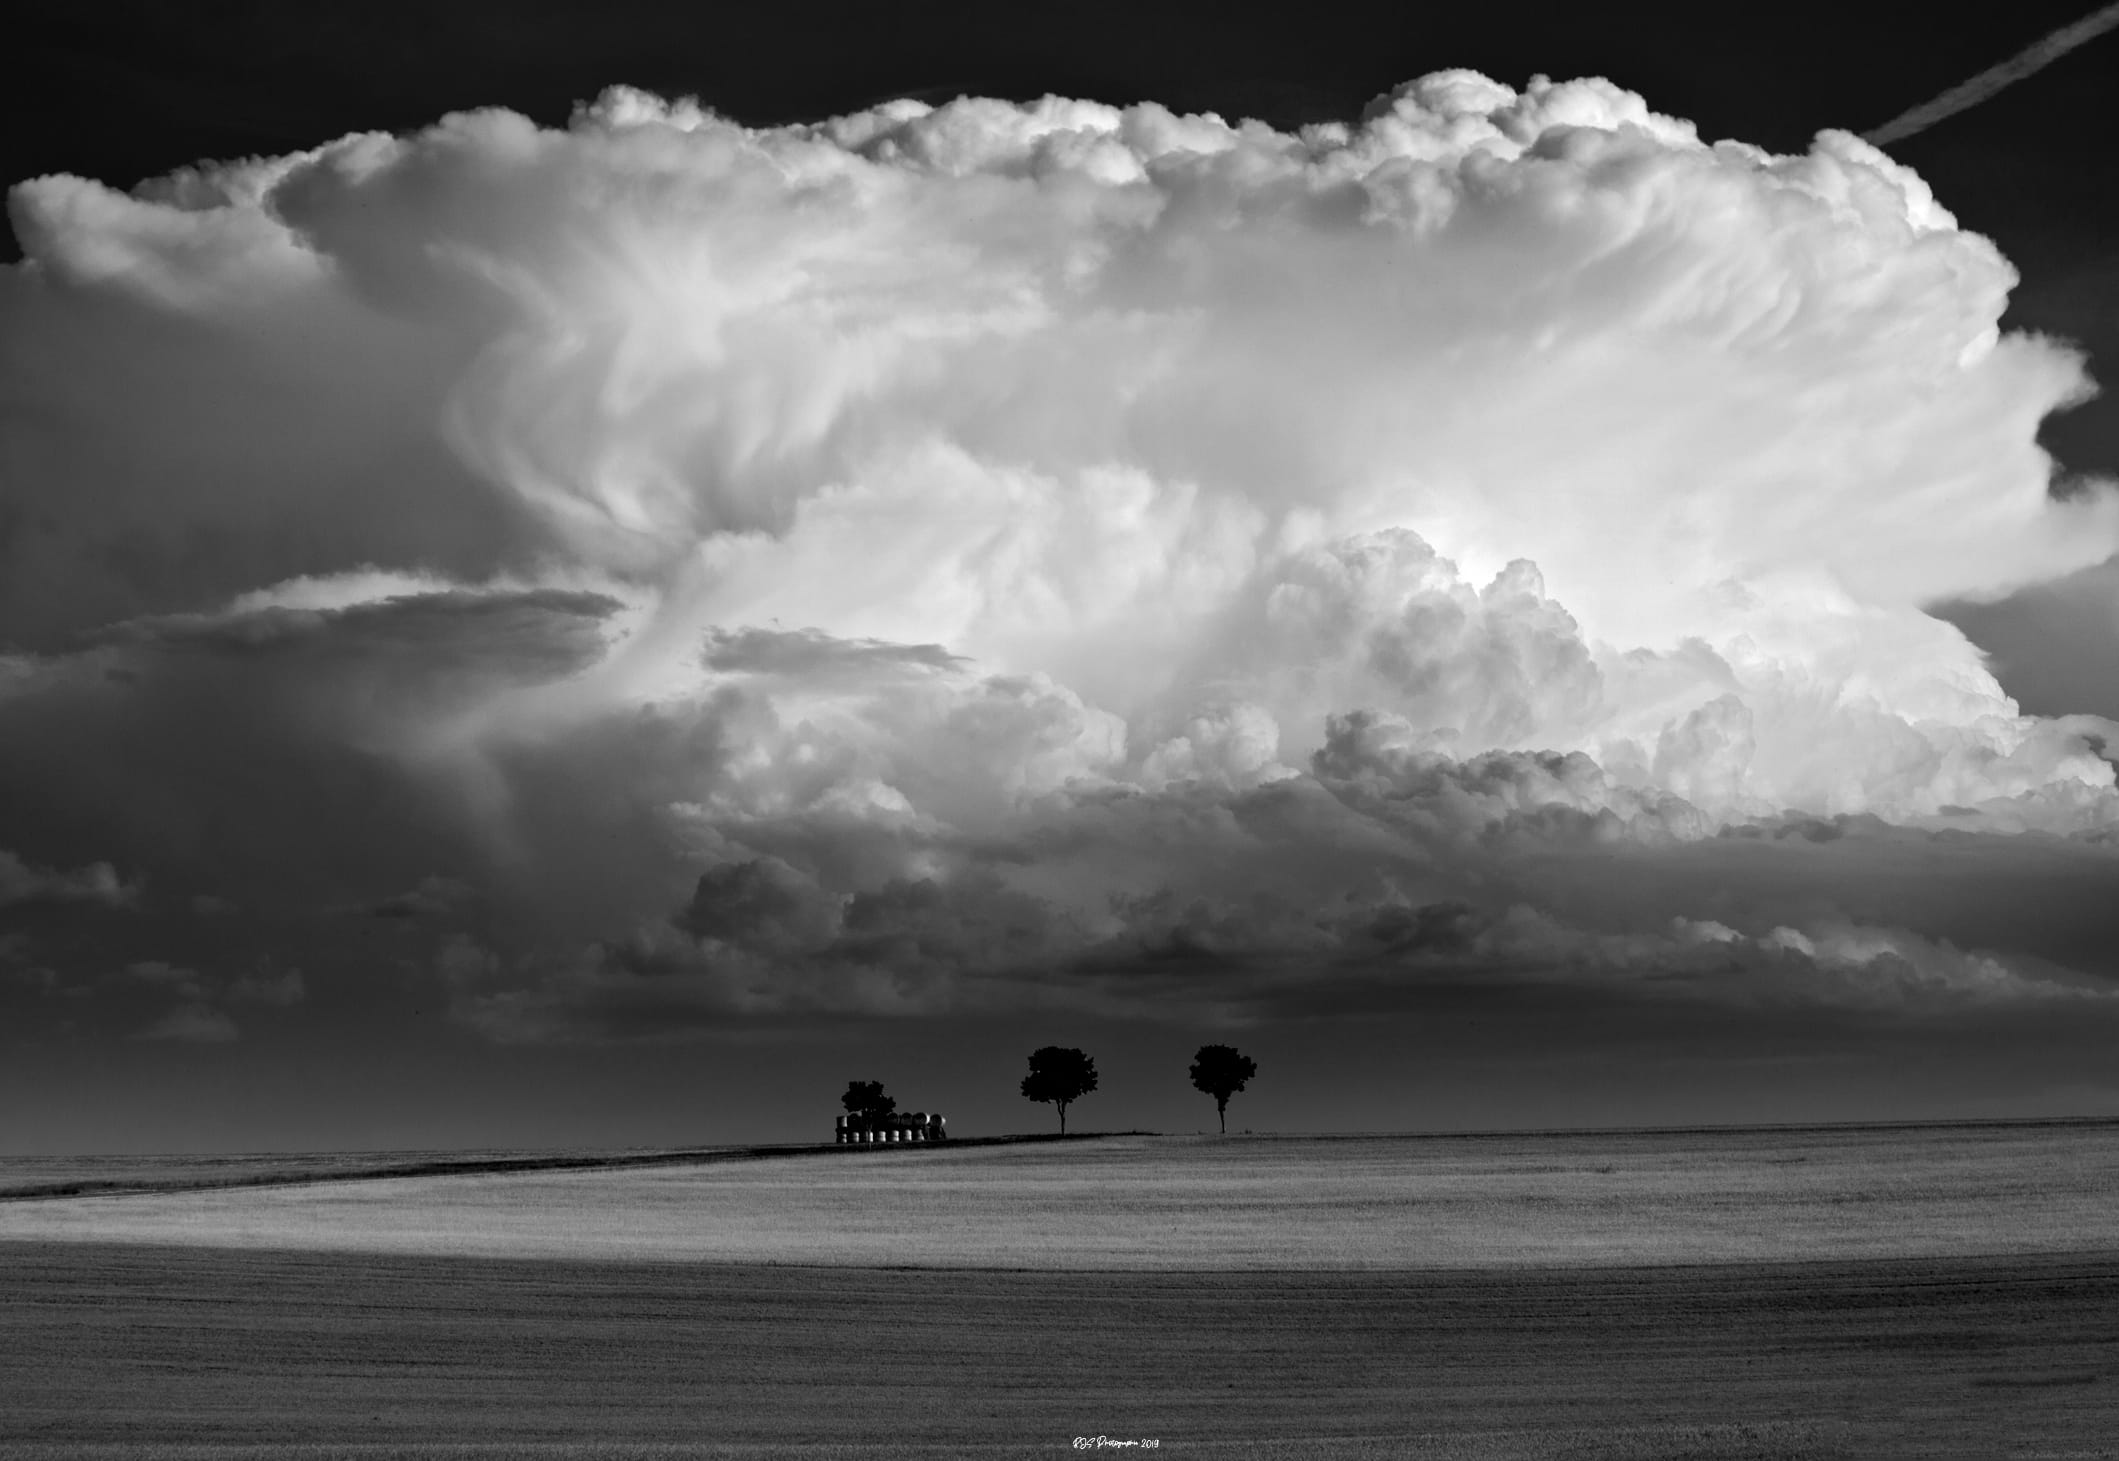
{"x":661,"y":573}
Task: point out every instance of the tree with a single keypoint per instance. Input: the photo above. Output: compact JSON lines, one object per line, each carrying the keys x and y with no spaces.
{"x":1060,"y":1077}
{"x":866,"y":1098}
{"x":1220,"y":1071}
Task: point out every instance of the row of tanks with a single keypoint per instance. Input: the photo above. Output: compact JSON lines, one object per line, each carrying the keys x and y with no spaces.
{"x":860,"y":1129}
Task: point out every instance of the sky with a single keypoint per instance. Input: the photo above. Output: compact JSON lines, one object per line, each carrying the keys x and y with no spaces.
{"x":583,"y":576}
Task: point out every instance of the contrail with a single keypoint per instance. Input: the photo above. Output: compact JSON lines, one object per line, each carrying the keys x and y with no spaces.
{"x":2035,"y":57}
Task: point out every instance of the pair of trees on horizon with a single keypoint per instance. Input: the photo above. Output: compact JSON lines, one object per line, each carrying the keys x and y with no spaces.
{"x":1059,"y":1075}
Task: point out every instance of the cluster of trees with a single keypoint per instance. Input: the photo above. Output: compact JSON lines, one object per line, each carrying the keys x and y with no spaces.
{"x":1060,"y":1076}
{"x":866,"y":1098}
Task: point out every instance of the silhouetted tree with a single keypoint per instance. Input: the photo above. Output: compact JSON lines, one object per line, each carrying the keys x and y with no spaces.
{"x":1059,"y":1076}
{"x":1220,"y":1071}
{"x":866,"y":1098}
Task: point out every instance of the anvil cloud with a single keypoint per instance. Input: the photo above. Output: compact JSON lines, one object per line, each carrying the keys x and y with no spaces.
{"x":662,"y":574}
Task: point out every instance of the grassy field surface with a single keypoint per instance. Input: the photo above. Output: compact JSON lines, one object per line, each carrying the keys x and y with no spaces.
{"x":1851,"y":1293}
{"x":69,"y":1176}
{"x":175,"y":1354}
{"x":1185,"y":1203}
{"x":82,"y":1176}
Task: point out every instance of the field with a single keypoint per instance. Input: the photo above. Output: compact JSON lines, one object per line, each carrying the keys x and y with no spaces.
{"x":1838,"y":1292}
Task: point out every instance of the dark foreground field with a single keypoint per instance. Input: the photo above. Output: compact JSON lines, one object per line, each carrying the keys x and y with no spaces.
{"x":116,"y":1350}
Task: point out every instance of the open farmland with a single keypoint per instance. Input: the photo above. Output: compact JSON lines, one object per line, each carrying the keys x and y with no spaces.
{"x":72,"y":1176}
{"x":1856,"y":1292}
{"x":1148,"y":1203}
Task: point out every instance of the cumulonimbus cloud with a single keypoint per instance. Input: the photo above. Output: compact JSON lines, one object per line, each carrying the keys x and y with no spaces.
{"x":869,"y":564}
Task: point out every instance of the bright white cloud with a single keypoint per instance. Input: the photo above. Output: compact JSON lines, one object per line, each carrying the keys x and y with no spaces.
{"x":988,"y":517}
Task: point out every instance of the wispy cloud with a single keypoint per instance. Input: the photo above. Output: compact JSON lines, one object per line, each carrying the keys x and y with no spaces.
{"x":2030,"y":60}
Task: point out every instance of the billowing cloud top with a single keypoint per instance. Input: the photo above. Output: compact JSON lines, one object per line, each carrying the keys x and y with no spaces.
{"x":997,"y":554}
